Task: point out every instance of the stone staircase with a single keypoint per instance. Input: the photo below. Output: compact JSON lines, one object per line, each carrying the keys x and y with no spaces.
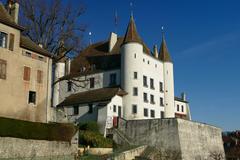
{"x":147,"y":154}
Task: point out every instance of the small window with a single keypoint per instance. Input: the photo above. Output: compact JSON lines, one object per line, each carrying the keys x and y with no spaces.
{"x":148,"y":62}
{"x":182,"y":108}
{"x":145,"y":112}
{"x":32,"y":97}
{"x":76,"y":110}
{"x":3,"y":69}
{"x":135,"y":91}
{"x":69,"y":89}
{"x":134,"y":109}
{"x":113,"y":79}
{"x":92,"y":83}
{"x":135,"y":56}
{"x":178,"y":108}
{"x":145,"y":98}
{"x":114,"y":108}
{"x":135,"y":75}
{"x":152,"y":113}
{"x":162,"y":114}
{"x":144,"y":81}
{"x":161,"y":101}
{"x":151,"y":83}
{"x":40,"y":58}
{"x":90,"y":108}
{"x":155,"y":65}
{"x":152,"y":99}
{"x":26,"y":73}
{"x":3,"y":40}
{"x":39,"y":76}
{"x":161,"y":86}
{"x":143,"y":60}
{"x":28,"y":54}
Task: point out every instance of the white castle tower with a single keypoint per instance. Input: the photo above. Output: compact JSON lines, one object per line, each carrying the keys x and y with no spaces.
{"x":168,"y":79}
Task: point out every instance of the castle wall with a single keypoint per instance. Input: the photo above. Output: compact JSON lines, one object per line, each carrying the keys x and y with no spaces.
{"x":194,"y":141}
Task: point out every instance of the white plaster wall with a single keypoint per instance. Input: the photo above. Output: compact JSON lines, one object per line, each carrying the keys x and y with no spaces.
{"x":146,"y":65}
{"x":59,"y":72}
{"x":180,"y":107}
{"x":102,"y":79}
{"x":169,"y":90}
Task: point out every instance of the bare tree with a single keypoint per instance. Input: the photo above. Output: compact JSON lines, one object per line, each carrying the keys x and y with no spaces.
{"x":54,"y":25}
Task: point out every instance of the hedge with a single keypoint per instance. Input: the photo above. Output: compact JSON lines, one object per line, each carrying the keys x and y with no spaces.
{"x":35,"y":130}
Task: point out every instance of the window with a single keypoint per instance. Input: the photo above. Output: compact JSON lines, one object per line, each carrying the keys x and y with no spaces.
{"x":178,"y":108}
{"x":162,"y":114}
{"x":3,"y":69}
{"x":148,"y":62}
{"x":161,"y":87}
{"x":28,"y":54}
{"x":143,"y":60}
{"x":26,"y":73}
{"x":39,"y":76}
{"x":75,"y":110}
{"x":92,"y":84}
{"x":69,"y":87}
{"x":114,"y":108}
{"x":145,"y":81}
{"x":145,"y":112}
{"x":182,"y":108}
{"x":161,"y":101}
{"x":90,"y":108}
{"x":145,"y":99}
{"x":152,"y":113}
{"x":113,"y":78}
{"x":152,"y":99}
{"x":135,"y":91}
{"x":151,"y":83}
{"x":32,"y":97}
{"x":135,"y":75}
{"x":3,"y":40}
{"x":11,"y":42}
{"x":134,"y":109}
{"x":135,"y":56}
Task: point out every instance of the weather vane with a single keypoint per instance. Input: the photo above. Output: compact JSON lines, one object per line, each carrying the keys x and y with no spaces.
{"x":131,"y":8}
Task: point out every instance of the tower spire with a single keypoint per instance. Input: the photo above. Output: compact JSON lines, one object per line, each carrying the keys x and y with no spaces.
{"x":131,"y":34}
{"x":163,"y":52}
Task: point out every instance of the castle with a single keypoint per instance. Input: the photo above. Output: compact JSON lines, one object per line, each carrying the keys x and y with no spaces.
{"x":120,"y":77}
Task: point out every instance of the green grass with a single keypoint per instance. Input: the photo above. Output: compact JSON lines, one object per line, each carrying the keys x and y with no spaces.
{"x":35,"y":130}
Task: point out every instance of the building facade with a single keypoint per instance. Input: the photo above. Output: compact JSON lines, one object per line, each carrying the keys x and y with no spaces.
{"x":25,"y":71}
{"x":126,"y":62}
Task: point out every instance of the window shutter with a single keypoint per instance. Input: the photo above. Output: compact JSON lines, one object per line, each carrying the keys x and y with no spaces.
{"x":26,"y":73}
{"x":11,"y":42}
{"x":39,"y":76}
{"x":3,"y":69}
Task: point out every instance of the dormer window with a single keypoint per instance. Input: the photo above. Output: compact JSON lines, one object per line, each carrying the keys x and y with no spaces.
{"x":3,"y":40}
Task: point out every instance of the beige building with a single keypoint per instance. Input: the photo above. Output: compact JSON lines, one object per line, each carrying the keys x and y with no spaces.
{"x":25,"y":72}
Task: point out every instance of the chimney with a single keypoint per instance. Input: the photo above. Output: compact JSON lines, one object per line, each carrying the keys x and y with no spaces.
{"x":112,"y":41}
{"x":13,"y":9}
{"x":183,"y":95}
{"x":155,"y":51}
{"x":68,"y":66}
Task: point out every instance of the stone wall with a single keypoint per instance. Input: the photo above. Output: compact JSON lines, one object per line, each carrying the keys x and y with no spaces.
{"x":193,"y":140}
{"x":16,"y":148}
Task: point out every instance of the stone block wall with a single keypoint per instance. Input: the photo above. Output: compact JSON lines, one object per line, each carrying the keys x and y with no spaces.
{"x":193,"y":140}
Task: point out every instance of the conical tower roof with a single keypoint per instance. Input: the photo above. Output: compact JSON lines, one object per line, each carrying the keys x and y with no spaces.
{"x":131,"y":34}
{"x":163,"y":52}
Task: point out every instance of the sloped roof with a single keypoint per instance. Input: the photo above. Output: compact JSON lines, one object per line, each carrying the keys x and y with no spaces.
{"x":97,"y":95}
{"x":163,"y":52}
{"x":6,"y":19}
{"x":131,"y":34}
{"x":98,"y":54}
{"x":27,"y":43}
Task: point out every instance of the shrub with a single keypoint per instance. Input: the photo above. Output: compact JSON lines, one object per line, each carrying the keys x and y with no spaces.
{"x":35,"y":130}
{"x":94,"y":139}
{"x":89,"y":126}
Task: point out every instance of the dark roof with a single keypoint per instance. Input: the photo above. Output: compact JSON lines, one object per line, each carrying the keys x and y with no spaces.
{"x":99,"y":55}
{"x":163,"y":52}
{"x":97,"y":95}
{"x":131,"y":34}
{"x":180,"y":100}
{"x":27,"y":43}
{"x":6,"y":19}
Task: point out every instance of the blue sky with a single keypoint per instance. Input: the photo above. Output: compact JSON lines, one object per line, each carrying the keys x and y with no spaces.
{"x":203,"y":38}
